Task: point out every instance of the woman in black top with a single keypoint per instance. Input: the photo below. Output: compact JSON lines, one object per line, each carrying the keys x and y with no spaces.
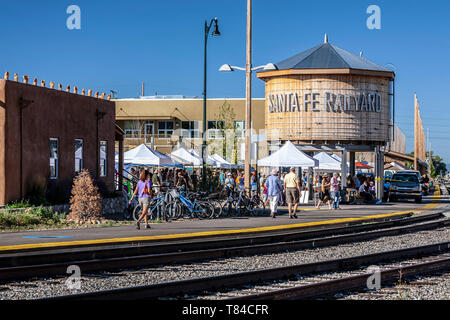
{"x":181,"y":181}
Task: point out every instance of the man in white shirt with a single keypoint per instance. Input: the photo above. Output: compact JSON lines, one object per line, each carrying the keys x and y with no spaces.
{"x":293,"y":190}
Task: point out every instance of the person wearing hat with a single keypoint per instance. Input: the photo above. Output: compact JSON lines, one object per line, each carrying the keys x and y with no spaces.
{"x":293,"y":191}
{"x":274,"y":188}
{"x":229,"y":181}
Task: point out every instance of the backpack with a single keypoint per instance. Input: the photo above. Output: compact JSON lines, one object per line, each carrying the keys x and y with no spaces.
{"x":146,"y":188}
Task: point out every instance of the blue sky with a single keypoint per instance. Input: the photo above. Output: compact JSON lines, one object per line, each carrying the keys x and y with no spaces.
{"x":124,"y":43}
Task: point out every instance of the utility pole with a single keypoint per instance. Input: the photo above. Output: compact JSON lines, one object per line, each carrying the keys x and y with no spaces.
{"x":248,"y":97}
{"x":416,"y":133}
{"x":143,"y":90}
{"x":430,"y":159}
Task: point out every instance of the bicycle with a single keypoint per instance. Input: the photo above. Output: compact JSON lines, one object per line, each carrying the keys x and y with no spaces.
{"x":212,"y":199}
{"x":154,"y":205}
{"x":249,"y":205}
{"x":128,"y":211}
{"x":258,"y":203}
{"x":227,"y":207}
{"x":183,"y":207}
{"x":242,"y":205}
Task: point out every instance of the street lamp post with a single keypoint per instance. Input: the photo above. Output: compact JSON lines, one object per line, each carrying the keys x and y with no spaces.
{"x":248,"y":99}
{"x":248,"y":114}
{"x":248,"y":95}
{"x":214,"y":33}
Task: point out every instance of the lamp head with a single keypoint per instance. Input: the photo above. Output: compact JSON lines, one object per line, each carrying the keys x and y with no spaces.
{"x":226,"y":68}
{"x":216,"y":28}
{"x":270,"y":67}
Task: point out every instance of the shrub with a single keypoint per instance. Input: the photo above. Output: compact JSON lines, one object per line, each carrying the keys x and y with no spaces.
{"x":86,"y":202}
{"x":30,"y":217}
{"x":48,"y":215}
{"x":19,"y":204}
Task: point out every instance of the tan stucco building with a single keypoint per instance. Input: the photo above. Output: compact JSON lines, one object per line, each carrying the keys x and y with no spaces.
{"x":163,"y":122}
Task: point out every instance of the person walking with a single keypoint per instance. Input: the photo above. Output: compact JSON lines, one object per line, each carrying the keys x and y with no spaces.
{"x":325,"y":195}
{"x":253,"y":184}
{"x":335,"y":193}
{"x":274,"y":188}
{"x":293,"y":191}
{"x":144,"y":191}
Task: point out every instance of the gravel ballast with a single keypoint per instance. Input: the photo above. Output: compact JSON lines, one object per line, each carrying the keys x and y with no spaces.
{"x":436,"y":287}
{"x":40,"y":288}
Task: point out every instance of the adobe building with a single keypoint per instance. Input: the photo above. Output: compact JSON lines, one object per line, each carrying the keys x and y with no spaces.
{"x":47,"y":135}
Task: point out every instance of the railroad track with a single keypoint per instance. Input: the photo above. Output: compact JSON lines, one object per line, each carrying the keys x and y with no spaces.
{"x":26,"y":266}
{"x":323,"y":286}
{"x":437,"y":258}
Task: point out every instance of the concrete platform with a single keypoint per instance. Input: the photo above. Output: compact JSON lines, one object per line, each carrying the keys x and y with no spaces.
{"x":184,"y":229}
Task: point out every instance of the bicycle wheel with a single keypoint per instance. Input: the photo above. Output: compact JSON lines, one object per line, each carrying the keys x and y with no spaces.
{"x":210,"y":208}
{"x":250,"y":206}
{"x":227,"y":208}
{"x":203,"y":210}
{"x":217,"y":209}
{"x":172,"y":210}
{"x":240,"y":209}
{"x":137,"y":212}
{"x":128,"y":213}
{"x":260,"y":207}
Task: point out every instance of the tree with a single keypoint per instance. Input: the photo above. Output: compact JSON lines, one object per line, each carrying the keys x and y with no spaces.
{"x":86,"y":202}
{"x":437,"y":166}
{"x":227,"y":131}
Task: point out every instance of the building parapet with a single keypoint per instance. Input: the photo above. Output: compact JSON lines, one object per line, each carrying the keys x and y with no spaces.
{"x":26,"y":79}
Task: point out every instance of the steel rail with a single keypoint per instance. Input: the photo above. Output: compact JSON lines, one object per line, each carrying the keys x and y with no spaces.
{"x":60,"y":268}
{"x":351,"y":283}
{"x":177,"y":288}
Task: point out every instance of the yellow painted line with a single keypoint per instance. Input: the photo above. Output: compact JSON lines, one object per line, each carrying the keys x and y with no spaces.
{"x":436,"y":202}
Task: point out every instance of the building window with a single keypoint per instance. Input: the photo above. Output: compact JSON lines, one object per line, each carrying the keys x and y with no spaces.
{"x":103,"y":153}
{"x":53,"y":158}
{"x":78,"y":155}
{"x":239,"y":127}
{"x":133,"y":128}
{"x":190,"y":129}
{"x":215,"y":129}
{"x":165,"y":128}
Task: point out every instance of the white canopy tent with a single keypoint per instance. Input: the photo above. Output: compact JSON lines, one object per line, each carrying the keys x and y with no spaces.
{"x":335,"y":156}
{"x":288,"y":156}
{"x":327,"y":162}
{"x":144,"y":156}
{"x":194,"y":152}
{"x":187,"y":157}
{"x":217,"y":161}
